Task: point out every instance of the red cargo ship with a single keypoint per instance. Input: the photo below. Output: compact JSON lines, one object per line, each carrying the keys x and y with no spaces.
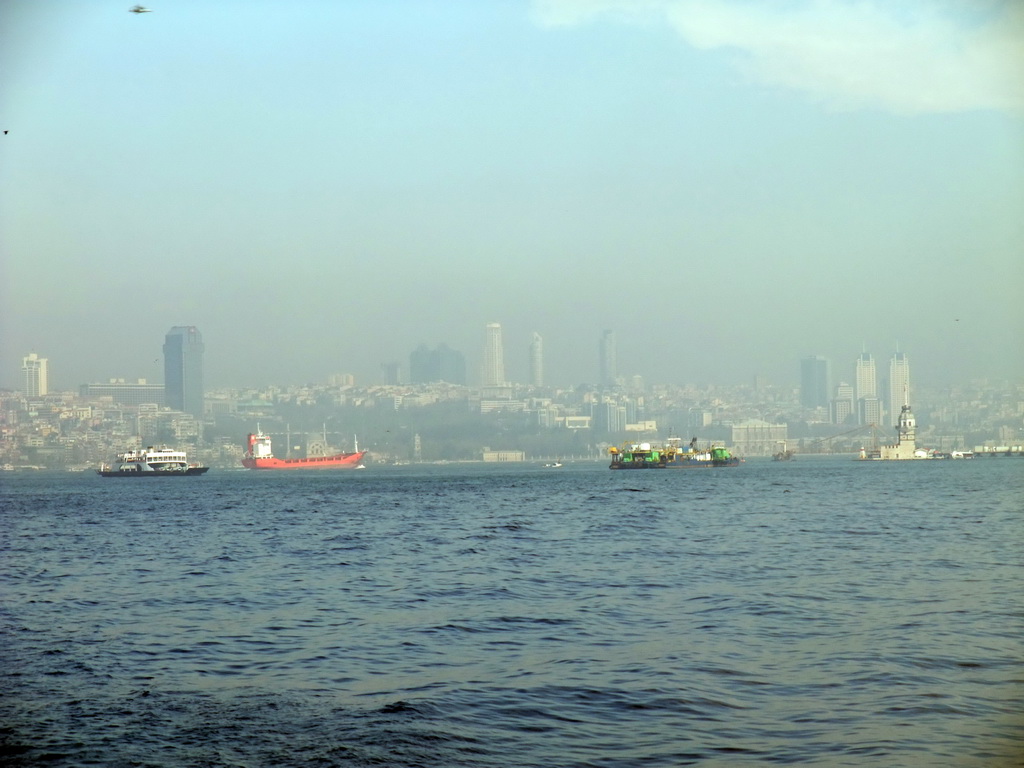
{"x":260,"y":456}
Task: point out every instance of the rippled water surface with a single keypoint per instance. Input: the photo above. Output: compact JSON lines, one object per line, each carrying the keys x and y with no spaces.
{"x":821,"y":612}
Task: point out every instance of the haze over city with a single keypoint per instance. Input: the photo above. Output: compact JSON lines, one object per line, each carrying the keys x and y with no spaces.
{"x":320,"y":188}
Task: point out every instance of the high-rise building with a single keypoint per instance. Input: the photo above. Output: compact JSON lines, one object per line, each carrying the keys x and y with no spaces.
{"x":899,"y":385}
{"x":841,"y":407}
{"x":494,"y":357}
{"x":433,"y":365}
{"x":865,"y":380}
{"x":34,"y":375}
{"x":451,"y":365}
{"x":607,"y":359}
{"x":610,"y":416}
{"x":183,"y":370}
{"x":869,"y":410}
{"x":422,"y":365}
{"x":392,"y":373}
{"x":537,"y":360}
{"x":865,"y":384}
{"x":814,"y":382}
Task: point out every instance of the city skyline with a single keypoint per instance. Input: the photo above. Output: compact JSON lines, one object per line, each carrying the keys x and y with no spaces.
{"x":729,"y":186}
{"x":818,"y":385}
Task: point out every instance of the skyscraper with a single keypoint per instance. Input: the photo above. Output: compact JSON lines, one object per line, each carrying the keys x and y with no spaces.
{"x":841,"y":407}
{"x":899,"y":385}
{"x":494,"y":357}
{"x":537,"y":360}
{"x":814,"y":382}
{"x":392,"y":373}
{"x":183,"y":369}
{"x":451,"y":365}
{"x":607,"y":360}
{"x":865,"y":382}
{"x":422,"y":365}
{"x":34,"y":375}
{"x":440,"y":364}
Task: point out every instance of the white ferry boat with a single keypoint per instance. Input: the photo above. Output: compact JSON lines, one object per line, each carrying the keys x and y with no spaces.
{"x":152,"y":462}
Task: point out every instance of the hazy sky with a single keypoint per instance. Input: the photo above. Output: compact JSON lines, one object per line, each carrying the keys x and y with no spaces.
{"x":320,"y":187}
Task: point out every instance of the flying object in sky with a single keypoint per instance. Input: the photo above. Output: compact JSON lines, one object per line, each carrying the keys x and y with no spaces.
{"x":139,"y":9}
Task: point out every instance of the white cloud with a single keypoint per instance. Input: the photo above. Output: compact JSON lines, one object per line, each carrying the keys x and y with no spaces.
{"x":909,"y":58}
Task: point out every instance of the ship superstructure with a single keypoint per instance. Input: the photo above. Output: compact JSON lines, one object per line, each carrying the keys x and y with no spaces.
{"x":152,"y":462}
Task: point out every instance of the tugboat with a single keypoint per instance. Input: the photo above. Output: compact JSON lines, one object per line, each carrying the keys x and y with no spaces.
{"x":785,"y":454}
{"x":671,"y":456}
{"x":152,"y":462}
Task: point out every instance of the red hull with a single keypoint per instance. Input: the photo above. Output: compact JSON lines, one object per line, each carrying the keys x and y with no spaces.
{"x":338,"y":461}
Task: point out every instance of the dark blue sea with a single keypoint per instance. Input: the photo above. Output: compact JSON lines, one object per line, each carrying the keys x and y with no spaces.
{"x":819,"y":612}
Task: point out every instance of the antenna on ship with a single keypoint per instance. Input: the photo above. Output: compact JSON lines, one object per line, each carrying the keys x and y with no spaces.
{"x":355,"y":439}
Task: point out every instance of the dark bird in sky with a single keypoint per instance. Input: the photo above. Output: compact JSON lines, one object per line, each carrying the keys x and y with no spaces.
{"x":139,"y":9}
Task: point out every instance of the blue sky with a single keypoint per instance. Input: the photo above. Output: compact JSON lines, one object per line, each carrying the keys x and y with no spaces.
{"x":321,"y":187}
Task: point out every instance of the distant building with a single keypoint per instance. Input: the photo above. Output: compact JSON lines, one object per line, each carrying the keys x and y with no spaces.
{"x":865,"y":386}
{"x":422,"y":367}
{"x":899,"y":384}
{"x":392,"y":373}
{"x":698,"y":419}
{"x":869,"y":410}
{"x":865,"y":377}
{"x":34,"y":376}
{"x":537,"y":360}
{"x":451,"y":365}
{"x":183,"y":370}
{"x":814,"y":382}
{"x":841,"y":407}
{"x":494,"y":357}
{"x":611,"y":417}
{"x":607,"y":359}
{"x":492,"y":405}
{"x":755,"y":437}
{"x":502,"y":456}
{"x":574,"y":422}
{"x":125,"y":393}
{"x":427,"y":366}
{"x":341,"y":380}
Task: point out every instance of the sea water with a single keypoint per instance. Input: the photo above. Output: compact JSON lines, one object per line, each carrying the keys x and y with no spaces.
{"x":818,"y":612}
